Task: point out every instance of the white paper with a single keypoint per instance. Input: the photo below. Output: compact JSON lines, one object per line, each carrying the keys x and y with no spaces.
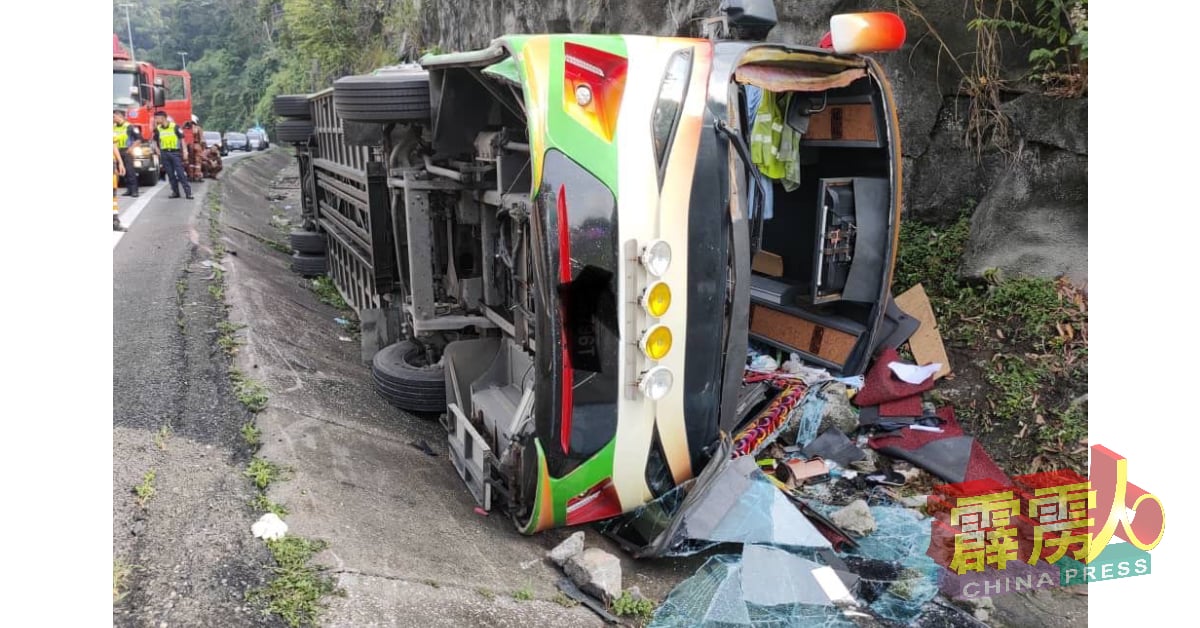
{"x":912,"y":373}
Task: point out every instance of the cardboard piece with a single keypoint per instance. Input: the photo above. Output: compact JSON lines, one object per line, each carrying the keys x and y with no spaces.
{"x":767,"y":263}
{"x":926,"y":343}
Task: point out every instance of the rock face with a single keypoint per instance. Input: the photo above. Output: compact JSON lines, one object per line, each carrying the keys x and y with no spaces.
{"x":596,"y":572}
{"x":942,"y":174}
{"x":1034,"y":219}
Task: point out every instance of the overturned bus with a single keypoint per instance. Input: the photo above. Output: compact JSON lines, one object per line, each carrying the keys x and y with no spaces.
{"x":563,"y":245}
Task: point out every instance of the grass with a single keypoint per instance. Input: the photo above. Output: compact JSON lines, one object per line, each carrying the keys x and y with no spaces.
{"x":628,"y":606}
{"x":562,"y":599}
{"x":524,"y":594}
{"x":250,"y":393}
{"x":261,"y":503}
{"x":121,"y":573}
{"x":251,"y":434}
{"x":181,"y":288}
{"x":486,"y":593}
{"x":1024,"y":339}
{"x":296,"y":588}
{"x":263,"y":472}
{"x":217,"y":291}
{"x":161,"y":437}
{"x":227,"y":338}
{"x":145,"y":490}
{"x":328,"y":293}
{"x":277,"y":246}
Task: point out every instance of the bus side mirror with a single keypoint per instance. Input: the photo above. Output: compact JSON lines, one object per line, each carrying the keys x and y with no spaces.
{"x":160,"y":96}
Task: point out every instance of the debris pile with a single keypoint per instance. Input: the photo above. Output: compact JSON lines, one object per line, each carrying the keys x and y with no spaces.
{"x":823,"y":486}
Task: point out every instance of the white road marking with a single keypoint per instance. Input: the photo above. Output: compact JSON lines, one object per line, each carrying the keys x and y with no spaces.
{"x":131,"y":213}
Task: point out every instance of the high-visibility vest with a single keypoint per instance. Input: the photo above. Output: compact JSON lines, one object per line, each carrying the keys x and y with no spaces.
{"x":121,"y":134}
{"x":765,"y":136}
{"x":167,"y":140}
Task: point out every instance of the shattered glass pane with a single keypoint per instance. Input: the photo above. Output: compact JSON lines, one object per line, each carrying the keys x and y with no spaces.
{"x":808,"y":416}
{"x":743,"y":506}
{"x":771,"y":577}
{"x":714,"y":598}
{"x":902,"y":535}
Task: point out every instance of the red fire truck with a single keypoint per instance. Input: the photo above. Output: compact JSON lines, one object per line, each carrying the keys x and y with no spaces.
{"x":141,"y":90}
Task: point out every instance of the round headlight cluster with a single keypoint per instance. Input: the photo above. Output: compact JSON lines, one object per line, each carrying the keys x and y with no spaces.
{"x":656,"y":342}
{"x":656,"y":257}
{"x":656,"y":299}
{"x":656,"y":383}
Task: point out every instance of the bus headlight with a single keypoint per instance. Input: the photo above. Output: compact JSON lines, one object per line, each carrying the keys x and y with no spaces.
{"x":656,"y":257}
{"x":656,"y":299}
{"x":656,"y":342}
{"x":656,"y":383}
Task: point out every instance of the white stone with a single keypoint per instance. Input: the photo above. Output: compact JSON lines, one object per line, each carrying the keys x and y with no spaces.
{"x":596,"y":572}
{"x":567,"y":549}
{"x":855,"y":518}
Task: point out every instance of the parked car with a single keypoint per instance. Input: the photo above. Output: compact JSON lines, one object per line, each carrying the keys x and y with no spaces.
{"x":213,"y":138}
{"x":236,"y":141}
{"x":257,"y":140}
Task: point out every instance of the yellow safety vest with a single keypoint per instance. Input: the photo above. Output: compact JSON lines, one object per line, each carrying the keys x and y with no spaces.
{"x":121,"y":135}
{"x":167,"y":140}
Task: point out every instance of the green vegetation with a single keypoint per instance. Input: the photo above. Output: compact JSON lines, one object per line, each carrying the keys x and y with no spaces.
{"x":263,"y":472}
{"x":251,"y":435}
{"x":486,"y":593}
{"x":227,"y":338}
{"x":145,"y":490}
{"x":562,"y":599}
{"x":328,"y":293}
{"x":250,"y":393}
{"x":121,"y":573}
{"x":524,"y":594}
{"x":296,"y":586}
{"x":161,"y":437}
{"x":1059,"y":29}
{"x":241,"y":53}
{"x":262,"y":503}
{"x":1025,"y":339}
{"x":627,"y":605}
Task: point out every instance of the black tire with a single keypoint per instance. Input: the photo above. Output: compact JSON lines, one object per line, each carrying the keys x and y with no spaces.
{"x":148,"y":179}
{"x":402,"y":378}
{"x":400,"y":96}
{"x":293,"y":106}
{"x":307,"y":242}
{"x":293,"y":131}
{"x":309,"y":265}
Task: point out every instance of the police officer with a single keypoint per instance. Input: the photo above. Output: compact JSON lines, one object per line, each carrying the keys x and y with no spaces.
{"x":126,"y":136}
{"x":174,"y":151}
